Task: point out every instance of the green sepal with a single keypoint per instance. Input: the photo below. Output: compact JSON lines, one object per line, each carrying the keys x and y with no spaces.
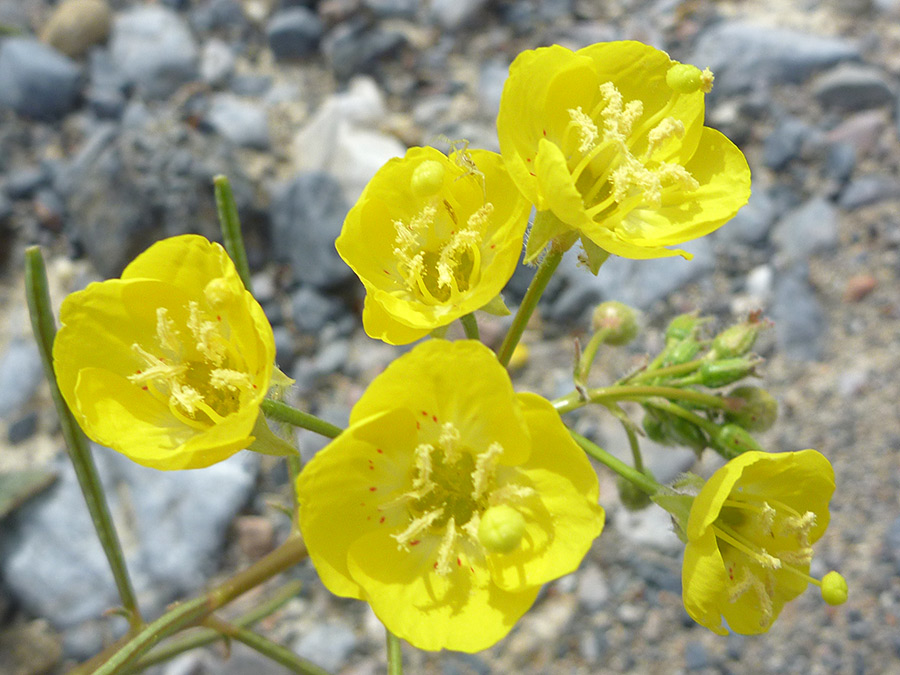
{"x":497,"y":307}
{"x":266,"y":442}
{"x":279,"y":384}
{"x":546,"y":227}
{"x":594,"y":256}
{"x":678,"y":506}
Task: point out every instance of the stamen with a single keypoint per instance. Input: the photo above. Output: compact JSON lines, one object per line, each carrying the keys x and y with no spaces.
{"x":166,"y":332}
{"x":445,"y":552}
{"x":417,"y":526}
{"x":485,"y":466}
{"x":587,"y":130}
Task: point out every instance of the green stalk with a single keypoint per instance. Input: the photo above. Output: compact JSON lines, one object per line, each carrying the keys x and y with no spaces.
{"x":583,"y":369}
{"x":668,"y":371}
{"x":265,"y":646}
{"x":529,"y":302}
{"x":394,"y":654}
{"x":641,"y":480}
{"x":470,"y":325}
{"x":575,"y":400}
{"x":285,"y":413}
{"x":205,"y":636}
{"x":231,"y":228}
{"x":116,"y":659}
{"x":44,"y":327}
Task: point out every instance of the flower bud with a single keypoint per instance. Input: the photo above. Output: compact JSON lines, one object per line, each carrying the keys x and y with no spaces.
{"x":654,"y":429}
{"x":732,"y":440}
{"x":618,"y":320}
{"x":631,"y":496}
{"x":727,"y":371}
{"x":735,"y":340}
{"x":682,"y":327}
{"x":752,"y":408}
{"x":682,"y":352}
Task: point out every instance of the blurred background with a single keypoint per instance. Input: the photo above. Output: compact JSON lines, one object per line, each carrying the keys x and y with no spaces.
{"x":116,"y":114}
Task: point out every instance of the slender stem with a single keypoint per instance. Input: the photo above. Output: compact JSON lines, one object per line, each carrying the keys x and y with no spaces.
{"x":205,"y":636}
{"x":529,"y":302}
{"x":668,"y":371}
{"x":265,"y":646}
{"x":285,"y":413}
{"x":470,"y":325}
{"x":575,"y":400}
{"x":693,"y":418}
{"x":231,"y":228}
{"x":583,"y":369}
{"x":44,"y":327}
{"x":642,"y":480}
{"x":189,"y":613}
{"x":635,"y":448}
{"x":394,"y":654}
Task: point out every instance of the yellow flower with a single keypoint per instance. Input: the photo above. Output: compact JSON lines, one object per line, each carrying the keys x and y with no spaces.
{"x":433,"y":238}
{"x":610,"y":139}
{"x":449,"y":500}
{"x":750,"y":534}
{"x":169,"y":364}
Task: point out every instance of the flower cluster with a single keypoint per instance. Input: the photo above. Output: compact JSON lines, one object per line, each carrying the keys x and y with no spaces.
{"x":456,"y":497}
{"x":169,"y":364}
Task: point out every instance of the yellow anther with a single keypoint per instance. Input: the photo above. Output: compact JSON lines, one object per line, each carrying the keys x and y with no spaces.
{"x":221,"y":378}
{"x":485,"y":467}
{"x":166,"y":332}
{"x":587,"y":130}
{"x":416,"y":527}
{"x":662,"y":132}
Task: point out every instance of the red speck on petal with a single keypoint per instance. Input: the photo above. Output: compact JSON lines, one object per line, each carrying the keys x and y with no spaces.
{"x":218,"y":317}
{"x":435,"y":565}
{"x":424,"y":413}
{"x":254,"y":386}
{"x":379,"y":451}
{"x":493,"y":246}
{"x":372,"y":489}
{"x":381,"y":520}
{"x":145,"y":388}
{"x":138,"y":372}
{"x":533,"y":173}
{"x":459,"y":562}
{"x":545,"y":132}
{"x":528,"y":159}
{"x":418,"y":425}
{"x":386,"y":272}
{"x":415,"y":542}
{"x":434,"y":418}
{"x":472,"y":570}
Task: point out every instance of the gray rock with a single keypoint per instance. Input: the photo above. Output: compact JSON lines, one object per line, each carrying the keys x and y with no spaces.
{"x":634,"y":282}
{"x":36,"y":81}
{"x":294,"y":33}
{"x":311,"y":310}
{"x":809,"y":229}
{"x":161,"y":173}
{"x":23,"y":183}
{"x":840,"y":161}
{"x":107,"y":85}
{"x":800,"y":325}
{"x":867,"y":190}
{"x":491,"y":79}
{"x":593,"y":590}
{"x":393,"y":9}
{"x":455,"y":14}
{"x":77,"y":25}
{"x":854,"y":87}
{"x":785,"y":142}
{"x":892,"y":543}
{"x":307,"y":214}
{"x":244,"y":123}
{"x":172,"y":525}
{"x":354,"y":47}
{"x":695,"y":656}
{"x":22,"y":429}
{"x":327,"y":645}
{"x":216,"y":62}
{"x":219,"y":15}
{"x":752,"y":223}
{"x":21,"y":373}
{"x":154,"y":49}
{"x":747,"y":56}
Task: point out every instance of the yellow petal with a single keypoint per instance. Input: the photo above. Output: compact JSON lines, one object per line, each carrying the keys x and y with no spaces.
{"x":426,"y":609}
{"x":704,"y":582}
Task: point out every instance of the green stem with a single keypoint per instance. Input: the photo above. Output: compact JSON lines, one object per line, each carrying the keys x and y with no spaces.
{"x":285,"y":413}
{"x":470,"y":325}
{"x":205,"y":636}
{"x":642,"y":480}
{"x":44,"y":327}
{"x":588,"y":355}
{"x":693,"y":418}
{"x":529,"y":302}
{"x":668,"y":371}
{"x":394,"y":654}
{"x":190,"y":613}
{"x":635,"y":448}
{"x":231,"y":228}
{"x":574,"y":400}
{"x":265,"y":646}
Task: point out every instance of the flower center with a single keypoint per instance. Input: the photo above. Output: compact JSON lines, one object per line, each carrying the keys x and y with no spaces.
{"x":451,"y":488}
{"x":614,"y":163}
{"x":194,"y":368}
{"x":438,"y":257}
{"x":757,"y":537}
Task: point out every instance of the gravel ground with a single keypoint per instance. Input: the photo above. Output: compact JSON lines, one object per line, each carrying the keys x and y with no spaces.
{"x":809,"y":90}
